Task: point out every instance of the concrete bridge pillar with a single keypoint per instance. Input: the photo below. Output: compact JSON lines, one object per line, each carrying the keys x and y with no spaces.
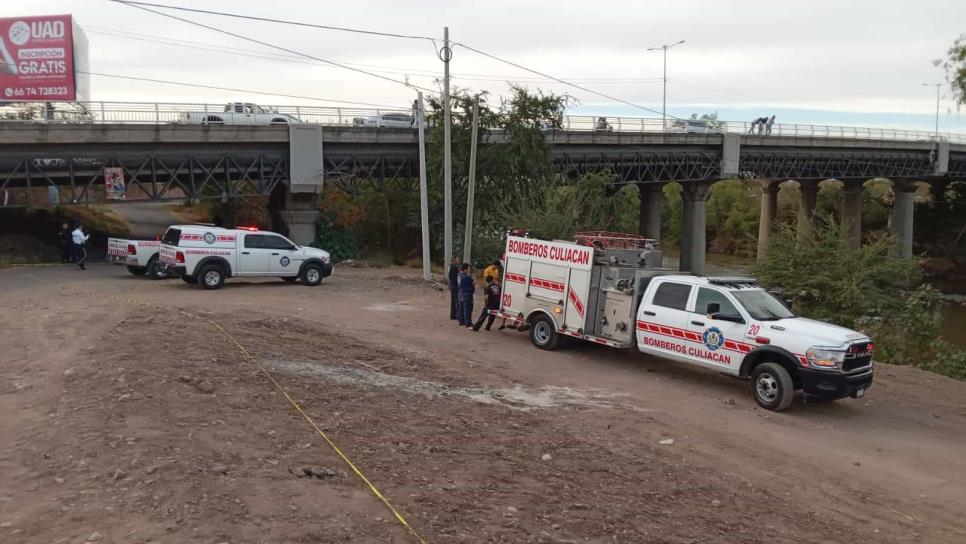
{"x":852,"y":213}
{"x":902,"y":210}
{"x":769,"y":214}
{"x":808,"y":191}
{"x":295,"y":215}
{"x":652,"y":196}
{"x":693,"y":228}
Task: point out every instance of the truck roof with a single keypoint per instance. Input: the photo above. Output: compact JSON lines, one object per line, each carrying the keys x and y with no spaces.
{"x":733,"y":282}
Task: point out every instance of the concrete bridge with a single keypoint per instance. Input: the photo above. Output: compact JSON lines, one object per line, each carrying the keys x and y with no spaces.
{"x":289,"y":163}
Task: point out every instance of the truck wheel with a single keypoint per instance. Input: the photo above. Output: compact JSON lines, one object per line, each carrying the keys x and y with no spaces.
{"x":543,"y":334}
{"x":136,"y":270}
{"x":153,"y":269}
{"x":312,"y":274}
{"x":211,"y":277}
{"x":189,"y":279}
{"x":772,"y":387}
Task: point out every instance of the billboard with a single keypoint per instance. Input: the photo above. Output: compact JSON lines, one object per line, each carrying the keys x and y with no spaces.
{"x":114,"y":183}
{"x":39,"y":57}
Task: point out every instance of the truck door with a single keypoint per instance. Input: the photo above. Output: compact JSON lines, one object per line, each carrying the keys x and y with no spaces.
{"x":662,"y":320}
{"x":254,"y":256}
{"x":282,"y":251}
{"x":717,"y":341}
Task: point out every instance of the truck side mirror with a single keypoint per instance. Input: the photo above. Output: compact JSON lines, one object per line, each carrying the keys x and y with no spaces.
{"x":713,"y":308}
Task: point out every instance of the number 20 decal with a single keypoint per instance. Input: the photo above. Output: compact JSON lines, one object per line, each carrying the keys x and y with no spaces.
{"x":754,"y":330}
{"x":506,"y":300}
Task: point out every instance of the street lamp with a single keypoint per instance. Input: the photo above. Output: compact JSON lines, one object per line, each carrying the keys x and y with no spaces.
{"x":664,"y":48}
{"x":937,"y":85}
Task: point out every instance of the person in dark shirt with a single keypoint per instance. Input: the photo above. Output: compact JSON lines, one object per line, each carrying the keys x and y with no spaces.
{"x":65,"y":241}
{"x":467,"y":288}
{"x":452,"y":276}
{"x":491,"y":301}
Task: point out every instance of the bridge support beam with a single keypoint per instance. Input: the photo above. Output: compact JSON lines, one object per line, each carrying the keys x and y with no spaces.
{"x":652,"y":197}
{"x":693,"y":228}
{"x":808,"y":191}
{"x":769,"y":214}
{"x":852,"y":213}
{"x":902,"y":217}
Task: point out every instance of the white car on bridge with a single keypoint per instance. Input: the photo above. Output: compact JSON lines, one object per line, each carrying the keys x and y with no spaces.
{"x":238,"y":113}
{"x":395,"y":120}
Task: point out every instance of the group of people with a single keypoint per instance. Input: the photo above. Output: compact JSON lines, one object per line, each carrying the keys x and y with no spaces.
{"x":462,"y":288}
{"x":71,"y":243}
{"x":763,"y":124}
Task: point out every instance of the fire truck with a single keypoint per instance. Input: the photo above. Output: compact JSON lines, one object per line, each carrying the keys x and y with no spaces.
{"x":609,"y":288}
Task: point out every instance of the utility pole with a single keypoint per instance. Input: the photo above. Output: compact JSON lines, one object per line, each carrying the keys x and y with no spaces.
{"x":471,"y":189}
{"x":423,"y":189}
{"x":938,"y":86}
{"x":664,"y":48}
{"x":447,"y":155}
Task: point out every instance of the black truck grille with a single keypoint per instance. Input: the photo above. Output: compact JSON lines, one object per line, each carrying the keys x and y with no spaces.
{"x":858,"y":356}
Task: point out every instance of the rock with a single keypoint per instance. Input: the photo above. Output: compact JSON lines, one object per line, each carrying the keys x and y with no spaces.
{"x":59,"y":480}
{"x":95,"y":537}
{"x":219,"y":468}
{"x":119,"y":474}
{"x":185,"y":379}
{"x":205,"y":387}
{"x":151,"y":469}
{"x":666,"y":442}
{"x":6,"y":525}
{"x":555,"y":526}
{"x":511,"y":509}
{"x":716,"y":503}
{"x":69,"y":372}
{"x":730,"y":401}
{"x":546,"y":457}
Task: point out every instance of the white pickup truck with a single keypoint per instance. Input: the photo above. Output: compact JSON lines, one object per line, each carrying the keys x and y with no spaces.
{"x":610,"y":290}
{"x":238,"y":113}
{"x":207,"y":255}
{"x":140,"y":256}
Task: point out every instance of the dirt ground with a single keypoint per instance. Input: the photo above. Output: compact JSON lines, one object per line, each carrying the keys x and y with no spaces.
{"x":122,"y":419}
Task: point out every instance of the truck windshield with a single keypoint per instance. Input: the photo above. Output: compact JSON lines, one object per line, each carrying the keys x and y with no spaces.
{"x":762,"y":305}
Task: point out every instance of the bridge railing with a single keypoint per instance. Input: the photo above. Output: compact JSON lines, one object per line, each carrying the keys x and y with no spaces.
{"x":175,"y":113}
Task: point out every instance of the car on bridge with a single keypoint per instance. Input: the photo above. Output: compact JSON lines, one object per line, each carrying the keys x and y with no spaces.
{"x":238,"y":113}
{"x":690,"y":126}
{"x":396,"y":120}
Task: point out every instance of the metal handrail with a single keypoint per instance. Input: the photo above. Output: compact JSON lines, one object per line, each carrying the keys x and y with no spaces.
{"x":174,"y":113}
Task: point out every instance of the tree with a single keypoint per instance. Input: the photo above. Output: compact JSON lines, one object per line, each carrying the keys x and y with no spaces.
{"x":955,"y":66}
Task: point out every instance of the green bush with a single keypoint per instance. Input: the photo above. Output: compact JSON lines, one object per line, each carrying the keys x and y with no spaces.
{"x":338,"y":241}
{"x":865,"y":289}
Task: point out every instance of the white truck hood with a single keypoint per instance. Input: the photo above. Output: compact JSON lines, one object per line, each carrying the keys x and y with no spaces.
{"x":310,"y":252}
{"x":813,"y":332}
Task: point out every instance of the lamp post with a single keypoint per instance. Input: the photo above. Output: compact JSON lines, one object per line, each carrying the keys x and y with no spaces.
{"x":937,"y":85}
{"x":664,"y":48}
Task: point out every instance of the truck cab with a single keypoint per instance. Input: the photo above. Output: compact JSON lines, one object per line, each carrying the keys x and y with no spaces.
{"x":735,"y":327}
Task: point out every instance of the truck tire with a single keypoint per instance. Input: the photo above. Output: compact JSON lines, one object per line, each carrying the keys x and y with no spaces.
{"x":153,"y":270}
{"x":211,"y":276}
{"x":772,"y":387}
{"x":136,"y":270}
{"x":311,"y":274}
{"x":191,"y":280}
{"x":543,"y":334}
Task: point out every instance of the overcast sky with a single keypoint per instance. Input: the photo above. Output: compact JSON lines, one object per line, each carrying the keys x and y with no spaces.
{"x":847,"y":62}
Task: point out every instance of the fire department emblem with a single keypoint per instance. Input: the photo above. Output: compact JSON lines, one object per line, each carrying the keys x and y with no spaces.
{"x":210,"y":238}
{"x":713,"y":339}
{"x":284,"y":261}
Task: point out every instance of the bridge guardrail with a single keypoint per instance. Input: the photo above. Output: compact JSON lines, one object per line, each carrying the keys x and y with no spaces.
{"x":173,"y":113}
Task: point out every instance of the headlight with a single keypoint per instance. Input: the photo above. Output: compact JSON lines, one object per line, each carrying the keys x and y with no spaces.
{"x":325,"y":259}
{"x":825,"y":358}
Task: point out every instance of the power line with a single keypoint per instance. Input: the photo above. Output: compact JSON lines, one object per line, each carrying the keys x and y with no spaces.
{"x":273,"y":46}
{"x":280,"y":21}
{"x":548,"y":76}
{"x":215,"y":87}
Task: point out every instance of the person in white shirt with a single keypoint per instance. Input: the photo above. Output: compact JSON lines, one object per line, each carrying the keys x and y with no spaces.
{"x":78,"y":238}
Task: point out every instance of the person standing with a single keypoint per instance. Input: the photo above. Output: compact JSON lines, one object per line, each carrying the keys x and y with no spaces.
{"x":78,"y":239}
{"x":494,"y":270}
{"x":452,"y":278}
{"x":771,"y":121}
{"x":467,"y":288}
{"x":491,"y":301}
{"x":65,"y":240}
